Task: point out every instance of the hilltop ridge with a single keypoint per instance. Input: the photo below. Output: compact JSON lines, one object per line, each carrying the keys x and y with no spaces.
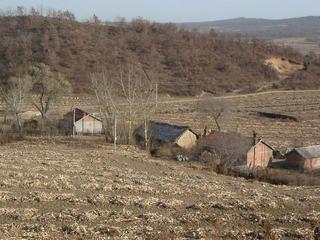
{"x":182,"y":62}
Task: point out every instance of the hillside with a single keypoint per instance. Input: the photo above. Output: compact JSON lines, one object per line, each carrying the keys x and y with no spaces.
{"x":306,"y":79}
{"x":303,"y":34}
{"x":266,"y":28}
{"x":183,"y":62}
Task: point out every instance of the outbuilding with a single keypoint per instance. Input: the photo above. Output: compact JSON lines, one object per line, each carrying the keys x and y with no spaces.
{"x":304,"y":158}
{"x":166,"y":135}
{"x":81,"y":122}
{"x":235,"y":149}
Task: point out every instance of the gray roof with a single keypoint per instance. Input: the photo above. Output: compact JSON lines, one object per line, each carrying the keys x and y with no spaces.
{"x":163,"y":132}
{"x":309,"y":152}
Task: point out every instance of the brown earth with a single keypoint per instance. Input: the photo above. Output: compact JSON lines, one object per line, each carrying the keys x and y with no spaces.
{"x":283,"y":66}
{"x":82,"y":189}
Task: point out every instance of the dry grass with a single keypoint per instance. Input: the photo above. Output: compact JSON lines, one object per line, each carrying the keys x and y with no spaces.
{"x":73,"y":189}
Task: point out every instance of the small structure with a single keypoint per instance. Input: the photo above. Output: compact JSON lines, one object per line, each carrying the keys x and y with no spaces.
{"x":29,"y":115}
{"x":304,"y":158}
{"x":166,"y":135}
{"x":81,"y":122}
{"x":235,"y":149}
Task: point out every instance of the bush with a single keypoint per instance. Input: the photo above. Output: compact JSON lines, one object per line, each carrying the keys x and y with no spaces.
{"x":9,"y":137}
{"x":40,"y":127}
{"x":287,"y":177}
{"x":273,"y":176}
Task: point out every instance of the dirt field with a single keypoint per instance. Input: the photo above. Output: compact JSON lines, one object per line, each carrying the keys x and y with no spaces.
{"x":241,"y":115}
{"x":300,"y":44}
{"x":63,"y":189}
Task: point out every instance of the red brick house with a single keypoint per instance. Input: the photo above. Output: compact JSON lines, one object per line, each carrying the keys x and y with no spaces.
{"x":260,"y":155}
{"x":235,"y":149}
{"x":304,"y":158}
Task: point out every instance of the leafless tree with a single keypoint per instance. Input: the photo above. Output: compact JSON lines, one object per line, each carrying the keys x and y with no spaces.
{"x":138,"y":89}
{"x":213,"y":108}
{"x":106,"y":92}
{"x":47,"y":87}
{"x":15,"y":96}
{"x":130,"y":92}
{"x":230,"y":148}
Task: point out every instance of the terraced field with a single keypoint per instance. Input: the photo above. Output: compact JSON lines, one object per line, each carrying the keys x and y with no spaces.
{"x":81,"y":189}
{"x":242,"y":116}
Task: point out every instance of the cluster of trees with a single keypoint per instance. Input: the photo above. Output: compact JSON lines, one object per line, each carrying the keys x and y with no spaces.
{"x":181,"y":61}
{"x":21,"y":11}
{"x":40,"y":87}
{"x":129,"y":93}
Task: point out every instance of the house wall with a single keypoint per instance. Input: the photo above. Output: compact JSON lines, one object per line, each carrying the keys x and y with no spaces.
{"x":259,"y":156}
{"x":187,"y":140}
{"x":294,"y":160}
{"x":88,"y":125}
{"x":311,"y":164}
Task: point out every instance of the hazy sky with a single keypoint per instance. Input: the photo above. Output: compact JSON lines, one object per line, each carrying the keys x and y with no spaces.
{"x":176,"y":10}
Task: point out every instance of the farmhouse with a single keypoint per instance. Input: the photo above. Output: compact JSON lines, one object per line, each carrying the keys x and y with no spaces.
{"x":81,"y":122}
{"x":304,"y":158}
{"x":235,"y":149}
{"x":166,"y":135}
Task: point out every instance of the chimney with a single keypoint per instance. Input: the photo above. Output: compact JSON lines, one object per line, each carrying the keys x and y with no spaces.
{"x":205,"y":131}
{"x":254,"y":138}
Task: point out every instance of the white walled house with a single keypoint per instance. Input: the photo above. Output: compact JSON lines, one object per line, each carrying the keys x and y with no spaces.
{"x":88,"y":124}
{"x":81,"y":122}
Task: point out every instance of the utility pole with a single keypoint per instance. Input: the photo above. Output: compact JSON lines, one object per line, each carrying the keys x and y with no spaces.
{"x":115,"y":133}
{"x":156,"y":95}
{"x":73,"y":122}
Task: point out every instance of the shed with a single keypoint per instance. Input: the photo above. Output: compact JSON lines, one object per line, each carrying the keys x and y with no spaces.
{"x":235,"y":149}
{"x":304,"y":158}
{"x":164,"y":134}
{"x":82,"y":121}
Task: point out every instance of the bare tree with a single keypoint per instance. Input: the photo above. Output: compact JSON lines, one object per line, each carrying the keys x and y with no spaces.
{"x":214,"y":108}
{"x":139,"y":92}
{"x":47,"y":87}
{"x":15,"y":96}
{"x":130,"y":92}
{"x":106,"y":92}
{"x":230,"y":148}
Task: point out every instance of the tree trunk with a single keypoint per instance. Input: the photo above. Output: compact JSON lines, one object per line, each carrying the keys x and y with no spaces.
{"x":129,"y":133}
{"x":108,"y":135}
{"x":5,"y":120}
{"x":19,"y":124}
{"x":146,"y":134}
{"x":217,"y":124}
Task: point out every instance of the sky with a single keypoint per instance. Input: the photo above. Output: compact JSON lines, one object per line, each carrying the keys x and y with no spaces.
{"x":176,"y":10}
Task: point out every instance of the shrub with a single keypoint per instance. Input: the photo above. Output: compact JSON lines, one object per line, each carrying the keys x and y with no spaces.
{"x":285,"y":177}
{"x":9,"y":137}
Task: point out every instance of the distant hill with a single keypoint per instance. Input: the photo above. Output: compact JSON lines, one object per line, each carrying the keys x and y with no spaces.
{"x":266,"y":28}
{"x":303,"y":33}
{"x":182,"y":62}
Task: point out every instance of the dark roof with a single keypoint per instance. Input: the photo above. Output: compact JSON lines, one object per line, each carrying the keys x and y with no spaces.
{"x":231,"y":146}
{"x":308,"y":152}
{"x":268,"y":145}
{"x":232,"y":139}
{"x":163,"y":132}
{"x":227,"y":140}
{"x":78,"y":114}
